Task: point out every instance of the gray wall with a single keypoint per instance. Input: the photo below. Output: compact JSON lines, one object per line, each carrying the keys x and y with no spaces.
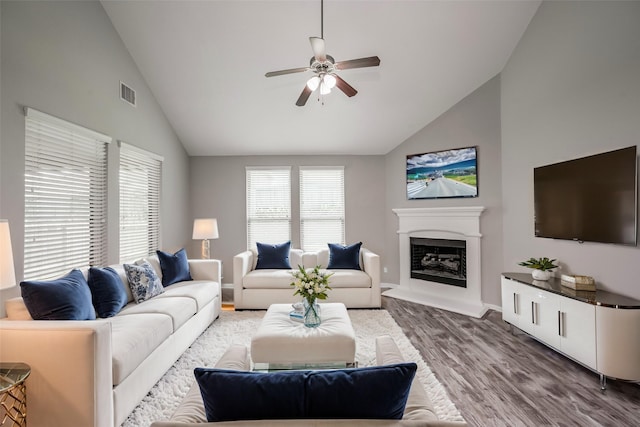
{"x":66,"y":59}
{"x":570,"y":89}
{"x":218,"y":191}
{"x":474,"y":121}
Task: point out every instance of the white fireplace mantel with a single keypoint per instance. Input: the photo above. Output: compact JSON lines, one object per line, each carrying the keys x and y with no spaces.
{"x":456,"y":223}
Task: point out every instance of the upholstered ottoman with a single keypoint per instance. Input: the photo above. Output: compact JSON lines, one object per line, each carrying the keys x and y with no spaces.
{"x":282,"y":340}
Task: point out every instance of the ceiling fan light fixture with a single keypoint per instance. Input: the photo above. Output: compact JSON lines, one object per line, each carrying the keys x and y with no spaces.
{"x":313,"y":83}
{"x":329,"y":80}
{"x":324,"y":88}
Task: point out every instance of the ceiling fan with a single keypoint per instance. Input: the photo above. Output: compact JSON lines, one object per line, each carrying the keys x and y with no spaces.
{"x":324,"y":68}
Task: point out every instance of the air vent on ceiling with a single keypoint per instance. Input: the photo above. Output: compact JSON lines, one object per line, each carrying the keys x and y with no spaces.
{"x":127,"y":94}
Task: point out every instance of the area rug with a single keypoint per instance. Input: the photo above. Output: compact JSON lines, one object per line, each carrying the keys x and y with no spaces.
{"x":236,"y":327}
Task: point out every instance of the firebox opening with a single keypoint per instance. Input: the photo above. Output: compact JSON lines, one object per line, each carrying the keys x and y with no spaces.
{"x":439,"y":260}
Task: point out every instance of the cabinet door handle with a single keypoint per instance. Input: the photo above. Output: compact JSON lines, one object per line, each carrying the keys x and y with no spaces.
{"x":515,"y":303}
{"x":559,"y":323}
{"x":562,"y":321}
{"x":533,"y":312}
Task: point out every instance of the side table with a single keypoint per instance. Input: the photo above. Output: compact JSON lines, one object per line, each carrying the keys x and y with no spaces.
{"x":13,"y":394}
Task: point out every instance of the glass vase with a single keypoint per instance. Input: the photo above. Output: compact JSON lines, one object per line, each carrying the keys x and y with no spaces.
{"x":311,"y":314}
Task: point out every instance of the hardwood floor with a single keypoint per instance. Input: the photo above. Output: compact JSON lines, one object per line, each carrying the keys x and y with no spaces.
{"x":499,"y":379}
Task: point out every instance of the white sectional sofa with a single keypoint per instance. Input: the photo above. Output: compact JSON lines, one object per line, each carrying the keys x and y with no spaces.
{"x":419,"y":410}
{"x":258,"y":289}
{"x":95,"y":372}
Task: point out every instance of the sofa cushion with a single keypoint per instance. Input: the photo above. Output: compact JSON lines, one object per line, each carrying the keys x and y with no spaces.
{"x":344,"y":256}
{"x":66,"y":298}
{"x":202,"y":291}
{"x":268,"y":279}
{"x":180,"y":309}
{"x":378,"y":392}
{"x":143,"y":281}
{"x":175,"y":267}
{"x":107,"y":291}
{"x":273,"y":256}
{"x":133,"y":338}
{"x":349,"y":279}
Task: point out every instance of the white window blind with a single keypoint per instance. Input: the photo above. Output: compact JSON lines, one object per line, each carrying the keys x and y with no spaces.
{"x":140,"y":181}
{"x":321,"y":207}
{"x":65,"y":197}
{"x":268,"y":205}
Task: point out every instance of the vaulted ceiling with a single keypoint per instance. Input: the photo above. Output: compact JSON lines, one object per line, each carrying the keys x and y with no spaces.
{"x":205,"y":62}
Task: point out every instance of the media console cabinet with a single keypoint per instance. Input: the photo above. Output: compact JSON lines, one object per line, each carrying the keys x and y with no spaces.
{"x":600,"y":330}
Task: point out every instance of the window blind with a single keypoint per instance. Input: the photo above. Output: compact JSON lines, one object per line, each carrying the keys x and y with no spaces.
{"x":321,"y":207}
{"x":268,"y":205}
{"x":140,"y":182}
{"x":65,"y":196}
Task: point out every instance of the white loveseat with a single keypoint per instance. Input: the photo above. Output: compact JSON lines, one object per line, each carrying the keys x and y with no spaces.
{"x":258,"y":289}
{"x":95,"y":372}
{"x":419,"y":410}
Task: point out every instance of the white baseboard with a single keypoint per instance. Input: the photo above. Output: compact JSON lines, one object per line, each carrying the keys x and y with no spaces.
{"x":493,"y":307}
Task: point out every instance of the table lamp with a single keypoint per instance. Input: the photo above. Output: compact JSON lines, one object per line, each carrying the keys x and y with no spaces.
{"x":205,"y":229}
{"x":7,"y":271}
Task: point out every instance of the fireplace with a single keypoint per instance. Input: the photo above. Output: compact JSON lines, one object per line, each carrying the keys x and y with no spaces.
{"x":439,"y":260}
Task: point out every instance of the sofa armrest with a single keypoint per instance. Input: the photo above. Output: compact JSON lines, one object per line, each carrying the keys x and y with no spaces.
{"x":206,"y":269}
{"x":71,"y":379}
{"x":242,"y":265}
{"x":371,"y":266}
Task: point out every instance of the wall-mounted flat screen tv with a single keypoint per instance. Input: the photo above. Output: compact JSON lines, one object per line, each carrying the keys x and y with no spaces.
{"x":442,"y":174}
{"x":591,"y":199}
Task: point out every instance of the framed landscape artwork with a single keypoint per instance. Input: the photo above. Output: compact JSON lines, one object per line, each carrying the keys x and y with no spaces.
{"x":442,"y":174}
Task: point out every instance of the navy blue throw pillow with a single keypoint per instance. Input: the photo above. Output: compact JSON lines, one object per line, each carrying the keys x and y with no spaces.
{"x":66,"y":298}
{"x":107,"y":291}
{"x":175,"y":267}
{"x":377,"y":392}
{"x":343,"y":257}
{"x":239,"y":395}
{"x":273,"y":256}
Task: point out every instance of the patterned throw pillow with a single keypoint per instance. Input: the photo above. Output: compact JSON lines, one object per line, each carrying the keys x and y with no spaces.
{"x":143,"y":281}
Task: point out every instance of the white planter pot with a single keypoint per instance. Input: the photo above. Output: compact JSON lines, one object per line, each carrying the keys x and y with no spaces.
{"x":541,"y":275}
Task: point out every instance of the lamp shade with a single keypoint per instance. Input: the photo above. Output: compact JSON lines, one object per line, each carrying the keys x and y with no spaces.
{"x":205,"y":228}
{"x":7,"y":271}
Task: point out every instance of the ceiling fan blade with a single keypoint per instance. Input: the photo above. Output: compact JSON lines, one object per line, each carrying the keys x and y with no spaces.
{"x":304,"y":96}
{"x":345,"y":87}
{"x":317,"y":44}
{"x":289,"y":71}
{"x":371,"y":61}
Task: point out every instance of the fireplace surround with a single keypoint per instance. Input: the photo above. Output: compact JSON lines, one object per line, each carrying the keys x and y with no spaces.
{"x":436,"y":225}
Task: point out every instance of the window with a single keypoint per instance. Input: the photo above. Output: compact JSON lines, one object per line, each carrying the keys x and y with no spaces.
{"x":65,"y":197}
{"x":140,"y":179}
{"x":321,"y":207}
{"x":268,"y":205}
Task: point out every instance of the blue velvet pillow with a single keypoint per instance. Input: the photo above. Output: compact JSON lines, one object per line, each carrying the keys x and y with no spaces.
{"x":175,"y":267}
{"x":66,"y":298}
{"x":107,"y":291}
{"x":344,"y":257}
{"x":378,"y":392}
{"x":239,"y":395}
{"x":273,"y":256}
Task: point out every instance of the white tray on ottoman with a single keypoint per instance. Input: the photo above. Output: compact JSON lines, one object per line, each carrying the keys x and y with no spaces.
{"x":282,"y":340}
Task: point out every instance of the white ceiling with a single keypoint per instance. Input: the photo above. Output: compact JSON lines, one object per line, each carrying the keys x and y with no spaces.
{"x":205,"y":63}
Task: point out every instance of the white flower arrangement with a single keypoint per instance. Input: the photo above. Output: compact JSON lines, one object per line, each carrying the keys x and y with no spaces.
{"x":311,"y":285}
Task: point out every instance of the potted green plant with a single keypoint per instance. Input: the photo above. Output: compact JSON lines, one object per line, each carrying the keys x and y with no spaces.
{"x":541,"y":267}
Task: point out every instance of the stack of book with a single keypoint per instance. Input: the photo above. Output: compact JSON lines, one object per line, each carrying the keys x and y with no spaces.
{"x":296,"y":315}
{"x":579,"y":283}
